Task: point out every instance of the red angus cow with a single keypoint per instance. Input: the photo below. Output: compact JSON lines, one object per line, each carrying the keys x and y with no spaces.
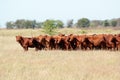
{"x":73,"y":41}
{"x":98,"y":41}
{"x":26,"y":42}
{"x":50,"y":42}
{"x":83,"y":42}
{"x":47,"y":42}
{"x":61,"y":42}
{"x":118,"y":41}
{"x":110,"y":41}
{"x":42,"y":41}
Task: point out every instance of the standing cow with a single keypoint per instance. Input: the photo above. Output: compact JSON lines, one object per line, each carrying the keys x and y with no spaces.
{"x":110,"y":41}
{"x":26,"y":42}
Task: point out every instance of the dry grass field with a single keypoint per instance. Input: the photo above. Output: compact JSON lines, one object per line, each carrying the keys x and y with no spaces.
{"x":15,"y":64}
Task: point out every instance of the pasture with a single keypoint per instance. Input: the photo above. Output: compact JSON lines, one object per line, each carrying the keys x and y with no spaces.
{"x":15,"y":64}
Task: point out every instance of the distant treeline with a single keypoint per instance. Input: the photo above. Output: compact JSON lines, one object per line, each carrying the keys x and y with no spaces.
{"x":83,"y":22}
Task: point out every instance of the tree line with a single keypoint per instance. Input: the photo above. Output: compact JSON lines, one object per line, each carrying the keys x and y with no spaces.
{"x":50,"y":24}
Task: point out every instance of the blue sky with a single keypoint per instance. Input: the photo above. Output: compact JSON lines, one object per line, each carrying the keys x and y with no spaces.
{"x":40,"y":10}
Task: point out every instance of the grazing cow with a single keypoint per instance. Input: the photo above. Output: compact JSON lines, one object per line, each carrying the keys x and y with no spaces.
{"x":26,"y":42}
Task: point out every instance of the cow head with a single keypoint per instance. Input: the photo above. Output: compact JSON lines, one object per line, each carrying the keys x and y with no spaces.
{"x":19,"y":38}
{"x":71,"y":37}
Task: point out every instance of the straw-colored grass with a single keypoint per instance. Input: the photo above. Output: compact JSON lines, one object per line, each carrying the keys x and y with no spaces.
{"x":36,"y":32}
{"x":15,"y":64}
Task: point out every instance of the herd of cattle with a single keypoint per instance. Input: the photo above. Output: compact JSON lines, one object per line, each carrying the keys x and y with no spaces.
{"x":71,"y":42}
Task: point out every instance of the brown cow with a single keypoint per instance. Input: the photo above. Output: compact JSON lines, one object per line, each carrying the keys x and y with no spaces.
{"x":26,"y":42}
{"x":49,"y":42}
{"x":61,"y":42}
{"x":83,"y":42}
{"x":46,"y":41}
{"x":110,"y":41}
{"x":73,"y":41}
{"x":98,"y":41}
{"x":42,"y":41}
{"x":117,"y":36}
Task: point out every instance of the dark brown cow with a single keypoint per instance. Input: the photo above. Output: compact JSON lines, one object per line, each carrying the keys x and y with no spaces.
{"x":26,"y":42}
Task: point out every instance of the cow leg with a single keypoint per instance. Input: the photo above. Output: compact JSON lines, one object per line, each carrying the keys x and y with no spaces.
{"x":36,"y":49}
{"x":25,"y":48}
{"x":91,"y":46}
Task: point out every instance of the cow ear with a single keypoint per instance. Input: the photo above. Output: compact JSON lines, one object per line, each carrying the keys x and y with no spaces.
{"x":71,"y":34}
{"x":46,"y":35}
{"x":16,"y":36}
{"x":20,"y":37}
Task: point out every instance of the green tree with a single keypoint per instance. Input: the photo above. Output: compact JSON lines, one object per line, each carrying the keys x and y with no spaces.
{"x":113,"y":23}
{"x":59,"y":23}
{"x":33,"y":24}
{"x":118,"y":21}
{"x":49,"y":26}
{"x":106,"y":23}
{"x":25,"y":24}
{"x":95,"y":23}
{"x":84,"y":22}
{"x":39,"y":24}
{"x":10,"y":25}
{"x":28,"y":24}
{"x":20,"y":24}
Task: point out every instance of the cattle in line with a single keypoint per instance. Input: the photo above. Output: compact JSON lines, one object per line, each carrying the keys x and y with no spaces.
{"x":71,"y":42}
